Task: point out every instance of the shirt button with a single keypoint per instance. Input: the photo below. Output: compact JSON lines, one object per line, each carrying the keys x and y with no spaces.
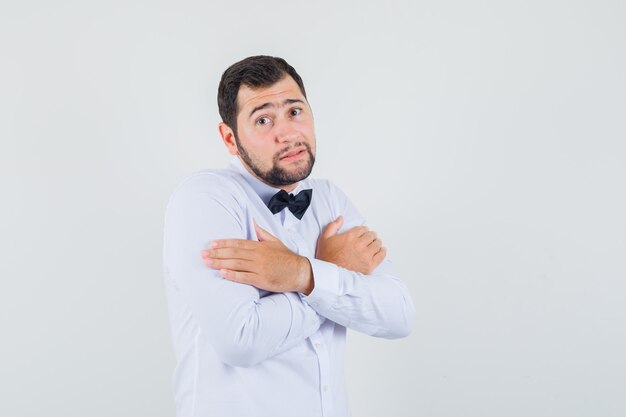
{"x":325,"y":388}
{"x":314,"y":304}
{"x":318,"y":345}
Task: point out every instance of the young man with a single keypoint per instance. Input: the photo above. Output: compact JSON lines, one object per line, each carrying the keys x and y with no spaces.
{"x":265,"y":268}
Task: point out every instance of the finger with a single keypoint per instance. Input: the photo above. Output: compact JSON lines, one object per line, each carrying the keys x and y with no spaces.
{"x":333,"y":227}
{"x":369,"y":237}
{"x":358,"y":231}
{"x":238,"y":276}
{"x":231,"y":264}
{"x":375,"y":246}
{"x":234,"y":243}
{"x":263,"y":235}
{"x":227,"y":253}
{"x":380,"y":256}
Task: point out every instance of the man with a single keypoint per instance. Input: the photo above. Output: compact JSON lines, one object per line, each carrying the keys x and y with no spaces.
{"x":265,"y":269}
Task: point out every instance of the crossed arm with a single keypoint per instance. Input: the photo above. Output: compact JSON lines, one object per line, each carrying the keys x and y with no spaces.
{"x":353,"y":290}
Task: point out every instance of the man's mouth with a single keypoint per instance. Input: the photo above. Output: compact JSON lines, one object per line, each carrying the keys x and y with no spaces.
{"x":293,"y":154}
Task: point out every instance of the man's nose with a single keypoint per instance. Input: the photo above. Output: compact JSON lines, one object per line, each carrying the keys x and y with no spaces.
{"x":285,"y":132}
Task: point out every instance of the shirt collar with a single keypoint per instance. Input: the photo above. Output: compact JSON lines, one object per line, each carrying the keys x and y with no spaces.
{"x":264,"y":191}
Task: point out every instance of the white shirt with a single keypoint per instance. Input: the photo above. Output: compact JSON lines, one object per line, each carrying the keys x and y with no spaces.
{"x":246,"y":352}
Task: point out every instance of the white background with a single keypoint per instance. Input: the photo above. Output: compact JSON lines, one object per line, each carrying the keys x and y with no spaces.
{"x":484,"y":141}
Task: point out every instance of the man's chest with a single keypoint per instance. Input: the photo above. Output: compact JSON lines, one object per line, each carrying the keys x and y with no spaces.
{"x":299,"y":235}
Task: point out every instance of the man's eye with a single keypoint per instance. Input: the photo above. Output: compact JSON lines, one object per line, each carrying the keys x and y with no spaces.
{"x":262,"y":120}
{"x":296,"y":111}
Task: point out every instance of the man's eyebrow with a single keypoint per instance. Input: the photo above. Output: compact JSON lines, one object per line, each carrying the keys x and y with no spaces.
{"x":266,"y":105}
{"x":292,"y":101}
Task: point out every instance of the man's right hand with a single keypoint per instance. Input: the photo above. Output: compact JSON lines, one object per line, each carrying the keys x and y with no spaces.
{"x":358,"y":249}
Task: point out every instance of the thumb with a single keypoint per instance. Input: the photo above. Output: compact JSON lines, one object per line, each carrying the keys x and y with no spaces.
{"x":333,"y":227}
{"x":263,"y":235}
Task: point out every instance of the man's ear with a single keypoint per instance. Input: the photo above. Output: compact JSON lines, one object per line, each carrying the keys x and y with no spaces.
{"x":228,"y":137}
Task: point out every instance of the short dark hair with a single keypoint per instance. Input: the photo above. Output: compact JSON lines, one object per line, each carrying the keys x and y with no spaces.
{"x":254,"y":72}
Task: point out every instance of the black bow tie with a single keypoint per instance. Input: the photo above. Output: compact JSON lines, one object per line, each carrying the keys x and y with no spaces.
{"x":297,"y":204}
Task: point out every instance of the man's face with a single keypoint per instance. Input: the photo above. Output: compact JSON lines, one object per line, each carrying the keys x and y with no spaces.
{"x":275,"y":133}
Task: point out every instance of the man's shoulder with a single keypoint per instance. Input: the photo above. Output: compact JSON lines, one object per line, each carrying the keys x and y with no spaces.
{"x":325,"y":187}
{"x":219,"y":183}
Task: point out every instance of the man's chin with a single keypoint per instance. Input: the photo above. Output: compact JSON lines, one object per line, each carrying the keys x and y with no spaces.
{"x":302,"y":169}
{"x":294,"y":167}
{"x":290,"y":175}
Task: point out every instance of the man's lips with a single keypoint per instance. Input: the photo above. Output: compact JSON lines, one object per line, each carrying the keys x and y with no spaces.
{"x":293,"y":154}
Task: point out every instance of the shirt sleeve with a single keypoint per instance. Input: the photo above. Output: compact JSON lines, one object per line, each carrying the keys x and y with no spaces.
{"x":378,"y":304}
{"x":243,"y":325}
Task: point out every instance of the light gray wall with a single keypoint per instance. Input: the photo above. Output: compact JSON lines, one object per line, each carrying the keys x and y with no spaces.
{"x":483,"y":140}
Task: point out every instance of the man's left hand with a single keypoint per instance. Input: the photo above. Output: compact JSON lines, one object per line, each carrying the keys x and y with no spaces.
{"x":267,"y":264}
